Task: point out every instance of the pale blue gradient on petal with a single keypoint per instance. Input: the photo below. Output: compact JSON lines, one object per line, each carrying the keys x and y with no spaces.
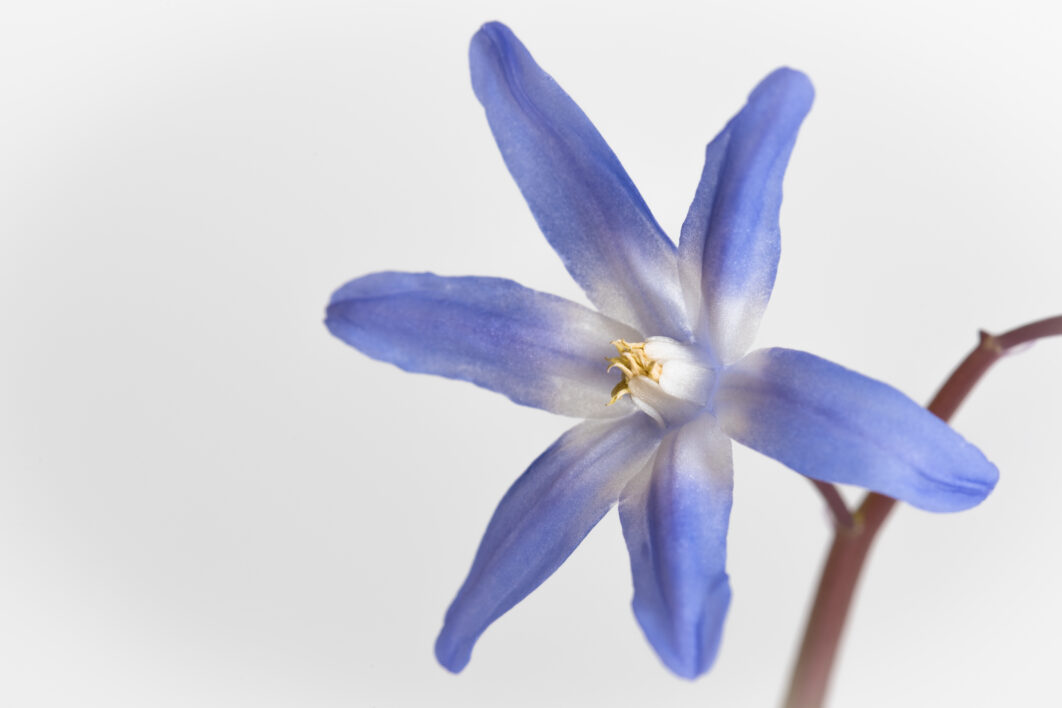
{"x":541,"y":520}
{"x":672,"y":474}
{"x":539,"y":350}
{"x":675,"y":517}
{"x":730,"y":240}
{"x":835,"y":425}
{"x":581,"y":197}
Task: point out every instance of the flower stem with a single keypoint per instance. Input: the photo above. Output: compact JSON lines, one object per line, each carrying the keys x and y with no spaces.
{"x":811,"y":675}
{"x":842,"y":516}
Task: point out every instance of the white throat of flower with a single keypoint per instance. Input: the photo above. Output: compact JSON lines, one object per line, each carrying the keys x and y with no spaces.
{"x":668,"y":380}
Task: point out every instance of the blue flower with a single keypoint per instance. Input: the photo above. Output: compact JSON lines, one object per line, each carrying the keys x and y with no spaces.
{"x":660,"y":371}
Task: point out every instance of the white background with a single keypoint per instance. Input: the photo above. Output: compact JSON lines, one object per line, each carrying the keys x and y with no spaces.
{"x":206,"y":500}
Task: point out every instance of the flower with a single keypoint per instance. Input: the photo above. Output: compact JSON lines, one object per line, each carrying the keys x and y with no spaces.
{"x":659,"y":371}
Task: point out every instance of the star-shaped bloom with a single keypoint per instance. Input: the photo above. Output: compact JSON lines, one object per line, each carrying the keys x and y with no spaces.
{"x":659,"y":371}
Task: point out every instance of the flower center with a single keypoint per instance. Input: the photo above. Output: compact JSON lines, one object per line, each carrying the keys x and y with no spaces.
{"x":668,"y":380}
{"x":632,"y":361}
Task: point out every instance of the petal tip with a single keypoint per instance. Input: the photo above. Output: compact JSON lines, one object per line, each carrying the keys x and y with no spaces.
{"x":689,"y":650}
{"x":975,"y":486}
{"x":491,"y":35}
{"x":342,"y":308}
{"x":788,"y":88}
{"x":331,"y":320}
{"x":451,"y":653}
{"x":494,"y":27}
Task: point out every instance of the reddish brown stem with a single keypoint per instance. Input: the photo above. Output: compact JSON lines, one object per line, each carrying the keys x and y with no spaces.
{"x":811,"y":675}
{"x":842,"y":515}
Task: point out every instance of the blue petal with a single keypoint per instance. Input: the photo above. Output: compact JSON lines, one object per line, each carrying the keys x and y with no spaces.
{"x":675,"y":521}
{"x":579,"y":194}
{"x":541,"y":520}
{"x":835,"y":425}
{"x":539,"y":350}
{"x":730,"y":242}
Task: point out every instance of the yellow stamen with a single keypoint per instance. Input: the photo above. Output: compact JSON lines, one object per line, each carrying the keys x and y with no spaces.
{"x":632,"y":361}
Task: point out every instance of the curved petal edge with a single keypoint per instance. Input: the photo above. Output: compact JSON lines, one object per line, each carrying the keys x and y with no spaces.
{"x":675,"y":517}
{"x":833,"y":424}
{"x":730,"y":244}
{"x":540,"y":521}
{"x":580,"y":195}
{"x":539,"y":350}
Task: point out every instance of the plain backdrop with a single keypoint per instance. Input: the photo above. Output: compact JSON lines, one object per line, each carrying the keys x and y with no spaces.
{"x":206,"y":500}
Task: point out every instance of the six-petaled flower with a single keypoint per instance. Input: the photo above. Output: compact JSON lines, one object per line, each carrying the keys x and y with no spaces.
{"x":661,"y":371}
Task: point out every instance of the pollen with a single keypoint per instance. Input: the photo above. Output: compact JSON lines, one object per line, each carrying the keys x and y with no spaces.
{"x":632,"y":361}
